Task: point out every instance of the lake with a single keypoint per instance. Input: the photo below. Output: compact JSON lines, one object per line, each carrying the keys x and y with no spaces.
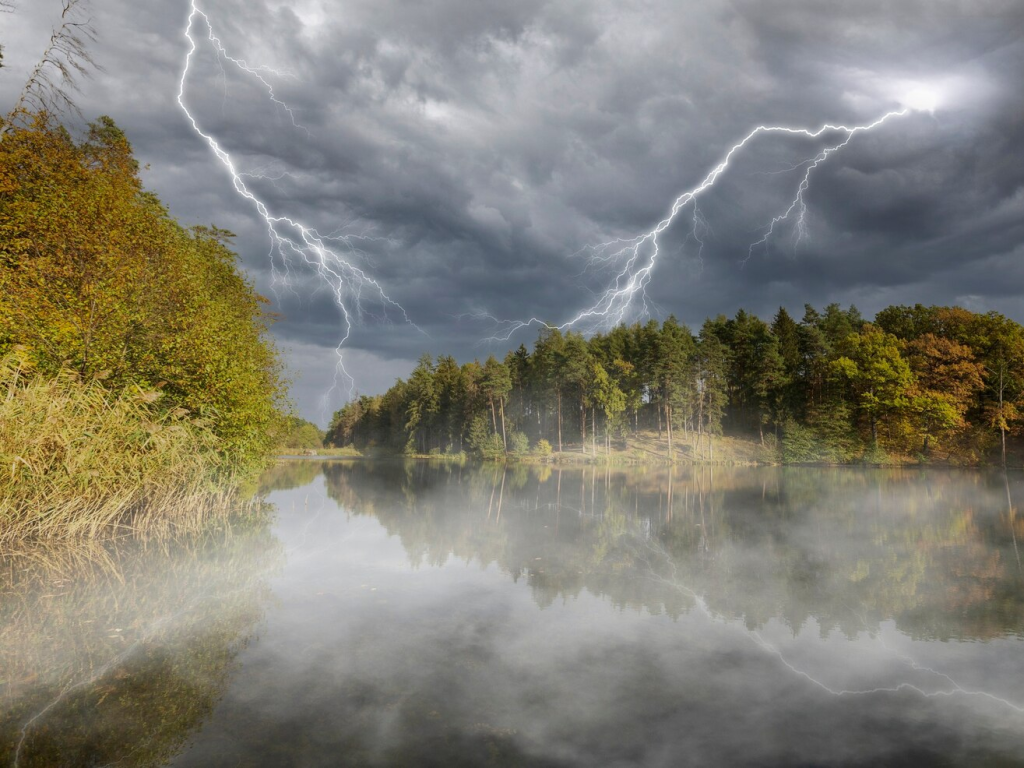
{"x":429,"y":614}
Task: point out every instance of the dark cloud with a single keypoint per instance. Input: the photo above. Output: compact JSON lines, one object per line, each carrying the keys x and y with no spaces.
{"x":473,"y":146}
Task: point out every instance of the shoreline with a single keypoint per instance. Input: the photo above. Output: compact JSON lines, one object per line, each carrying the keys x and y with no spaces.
{"x":648,"y":449}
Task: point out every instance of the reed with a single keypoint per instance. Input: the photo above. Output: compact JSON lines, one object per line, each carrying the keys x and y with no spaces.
{"x":77,"y":459}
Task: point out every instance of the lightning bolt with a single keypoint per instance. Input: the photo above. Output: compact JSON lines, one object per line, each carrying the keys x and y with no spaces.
{"x":290,"y":238}
{"x":951,"y":688}
{"x":955,"y":688}
{"x":637,"y":257}
{"x":149,"y":634}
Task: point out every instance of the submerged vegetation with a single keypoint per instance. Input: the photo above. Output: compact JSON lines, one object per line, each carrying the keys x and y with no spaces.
{"x":917,"y":384}
{"x":136,"y":371}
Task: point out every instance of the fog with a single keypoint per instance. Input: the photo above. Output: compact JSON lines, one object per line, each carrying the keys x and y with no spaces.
{"x":438,"y":614}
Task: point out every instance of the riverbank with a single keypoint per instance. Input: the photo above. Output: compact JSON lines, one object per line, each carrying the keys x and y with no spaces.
{"x":648,"y":448}
{"x":643,"y":448}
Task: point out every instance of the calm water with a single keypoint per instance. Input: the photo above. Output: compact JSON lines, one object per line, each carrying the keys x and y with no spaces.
{"x":397,"y":614}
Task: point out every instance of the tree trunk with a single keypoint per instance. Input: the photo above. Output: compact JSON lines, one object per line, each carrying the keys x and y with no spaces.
{"x":558,"y":393}
{"x":503,"y":440}
{"x":494,"y":417}
{"x":700,"y":426}
{"x":1002,"y":419}
{"x":668,"y":428}
{"x":583,"y":426}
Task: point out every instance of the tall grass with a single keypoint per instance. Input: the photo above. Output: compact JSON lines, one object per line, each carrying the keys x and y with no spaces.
{"x":77,"y":459}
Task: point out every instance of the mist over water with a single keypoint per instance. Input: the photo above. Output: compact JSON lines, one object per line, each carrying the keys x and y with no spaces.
{"x":428,"y":614}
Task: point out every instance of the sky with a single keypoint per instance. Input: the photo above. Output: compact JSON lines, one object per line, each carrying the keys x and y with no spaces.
{"x":470,"y":153}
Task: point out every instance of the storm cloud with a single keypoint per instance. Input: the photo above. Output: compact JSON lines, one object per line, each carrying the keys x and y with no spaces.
{"x":477,"y":145}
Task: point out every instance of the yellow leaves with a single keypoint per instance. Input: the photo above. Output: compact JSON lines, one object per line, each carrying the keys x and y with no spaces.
{"x":96,"y":275}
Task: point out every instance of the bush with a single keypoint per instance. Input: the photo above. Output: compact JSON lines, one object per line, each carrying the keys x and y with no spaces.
{"x":482,"y":440}
{"x":800,"y":445}
{"x":875,"y":455}
{"x":518,"y":444}
{"x":542,"y":448}
{"x":771,"y":451}
{"x":492,"y":448}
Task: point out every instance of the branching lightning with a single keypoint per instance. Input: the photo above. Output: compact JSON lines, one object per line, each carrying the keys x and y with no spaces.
{"x":290,"y":238}
{"x":949,"y":688}
{"x":635,"y":258}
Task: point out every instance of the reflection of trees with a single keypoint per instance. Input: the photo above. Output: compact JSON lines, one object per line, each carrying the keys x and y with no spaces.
{"x":132,"y":640}
{"x":290,"y":473}
{"x":934,"y":551}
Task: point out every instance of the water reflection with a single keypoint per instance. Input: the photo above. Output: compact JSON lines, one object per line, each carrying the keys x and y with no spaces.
{"x":112,"y":653}
{"x":447,"y":615}
{"x":935,"y":552}
{"x":433,"y":614}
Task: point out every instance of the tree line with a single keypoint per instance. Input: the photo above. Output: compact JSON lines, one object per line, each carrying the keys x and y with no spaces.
{"x":926,"y":382}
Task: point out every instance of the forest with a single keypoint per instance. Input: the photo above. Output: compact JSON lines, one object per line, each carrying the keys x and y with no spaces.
{"x":918,"y":383}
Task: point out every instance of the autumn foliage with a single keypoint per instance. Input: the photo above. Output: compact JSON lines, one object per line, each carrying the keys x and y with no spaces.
{"x":918,"y":384}
{"x":99,"y":280}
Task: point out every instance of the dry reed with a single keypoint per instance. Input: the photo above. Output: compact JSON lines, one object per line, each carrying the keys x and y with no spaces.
{"x":77,"y":459}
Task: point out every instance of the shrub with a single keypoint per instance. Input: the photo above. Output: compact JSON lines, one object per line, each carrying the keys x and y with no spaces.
{"x":518,"y":444}
{"x":800,"y":445}
{"x":482,"y":440}
{"x":876,"y":455}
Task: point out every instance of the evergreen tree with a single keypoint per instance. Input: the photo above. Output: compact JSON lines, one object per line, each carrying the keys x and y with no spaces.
{"x":787,"y":332}
{"x":422,"y":407}
{"x":674,"y":355}
{"x":575,"y":365}
{"x":710,"y":373}
{"x":496,"y":384}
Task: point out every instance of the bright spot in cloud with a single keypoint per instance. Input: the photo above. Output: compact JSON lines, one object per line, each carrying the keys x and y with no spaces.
{"x":923,"y":99}
{"x":869,"y":90}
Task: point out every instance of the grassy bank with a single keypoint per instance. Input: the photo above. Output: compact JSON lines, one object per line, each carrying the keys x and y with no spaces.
{"x":646,"y":447}
{"x":77,"y":459}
